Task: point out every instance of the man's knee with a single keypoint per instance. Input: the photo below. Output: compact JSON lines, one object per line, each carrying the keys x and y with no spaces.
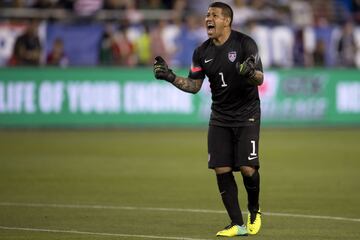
{"x":222,"y":170}
{"x":247,"y":171}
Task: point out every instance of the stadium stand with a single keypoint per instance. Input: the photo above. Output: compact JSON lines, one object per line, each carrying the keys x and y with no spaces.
{"x":290,"y":33}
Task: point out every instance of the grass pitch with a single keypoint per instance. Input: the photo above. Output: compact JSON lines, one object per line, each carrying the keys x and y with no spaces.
{"x":153,"y":184}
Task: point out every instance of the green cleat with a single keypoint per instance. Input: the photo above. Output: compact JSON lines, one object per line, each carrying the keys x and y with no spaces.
{"x":232,"y":231}
{"x":254,"y":222}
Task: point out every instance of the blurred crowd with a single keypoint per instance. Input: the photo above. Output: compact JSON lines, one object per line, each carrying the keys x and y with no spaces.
{"x":290,"y":33}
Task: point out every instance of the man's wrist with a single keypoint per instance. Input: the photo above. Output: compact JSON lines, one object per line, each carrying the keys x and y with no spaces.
{"x":171,"y":76}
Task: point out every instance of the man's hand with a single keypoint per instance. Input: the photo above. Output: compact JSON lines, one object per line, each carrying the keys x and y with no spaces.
{"x":162,"y":71}
{"x":247,"y":68}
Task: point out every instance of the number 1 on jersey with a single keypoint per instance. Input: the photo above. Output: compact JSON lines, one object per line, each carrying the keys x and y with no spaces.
{"x":253,"y":148}
{"x":222,"y":79}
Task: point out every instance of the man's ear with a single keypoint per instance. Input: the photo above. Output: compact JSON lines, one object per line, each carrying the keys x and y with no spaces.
{"x":227,"y":20}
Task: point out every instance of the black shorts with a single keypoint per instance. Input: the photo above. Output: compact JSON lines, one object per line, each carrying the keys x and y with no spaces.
{"x":233,"y":146}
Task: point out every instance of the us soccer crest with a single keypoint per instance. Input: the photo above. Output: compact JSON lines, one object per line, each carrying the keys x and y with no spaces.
{"x":232,"y":56}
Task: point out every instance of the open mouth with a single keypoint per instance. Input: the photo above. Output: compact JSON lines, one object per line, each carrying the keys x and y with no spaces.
{"x":210,"y":27}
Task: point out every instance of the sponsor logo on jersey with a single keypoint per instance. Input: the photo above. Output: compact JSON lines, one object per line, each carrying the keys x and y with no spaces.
{"x":232,"y":56}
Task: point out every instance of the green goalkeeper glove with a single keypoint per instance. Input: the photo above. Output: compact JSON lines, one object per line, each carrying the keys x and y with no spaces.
{"x":162,"y":71}
{"x":247,"y":68}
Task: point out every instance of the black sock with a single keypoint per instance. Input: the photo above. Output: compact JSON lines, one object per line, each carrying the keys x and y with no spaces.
{"x":229,"y":194}
{"x":252,"y":185}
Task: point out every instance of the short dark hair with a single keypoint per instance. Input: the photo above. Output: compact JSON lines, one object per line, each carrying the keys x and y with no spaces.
{"x":226,"y":9}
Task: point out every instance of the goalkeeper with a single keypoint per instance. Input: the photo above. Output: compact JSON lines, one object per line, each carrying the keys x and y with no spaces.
{"x":231,"y":62}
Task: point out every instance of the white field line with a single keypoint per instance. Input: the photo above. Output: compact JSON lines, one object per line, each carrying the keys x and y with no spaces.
{"x":42,"y":205}
{"x":95,"y":233}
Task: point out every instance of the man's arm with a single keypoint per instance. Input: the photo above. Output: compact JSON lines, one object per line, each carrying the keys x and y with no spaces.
{"x":187,"y":84}
{"x":247,"y":69}
{"x":257,"y":79}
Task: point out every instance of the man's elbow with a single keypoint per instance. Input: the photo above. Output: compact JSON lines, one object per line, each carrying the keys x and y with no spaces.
{"x":196,"y":90}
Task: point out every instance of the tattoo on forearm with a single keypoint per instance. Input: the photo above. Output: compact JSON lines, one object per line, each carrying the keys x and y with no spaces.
{"x":187,"y":84}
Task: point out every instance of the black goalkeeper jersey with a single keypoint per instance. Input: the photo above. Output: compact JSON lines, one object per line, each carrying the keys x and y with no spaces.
{"x":235,"y":102}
